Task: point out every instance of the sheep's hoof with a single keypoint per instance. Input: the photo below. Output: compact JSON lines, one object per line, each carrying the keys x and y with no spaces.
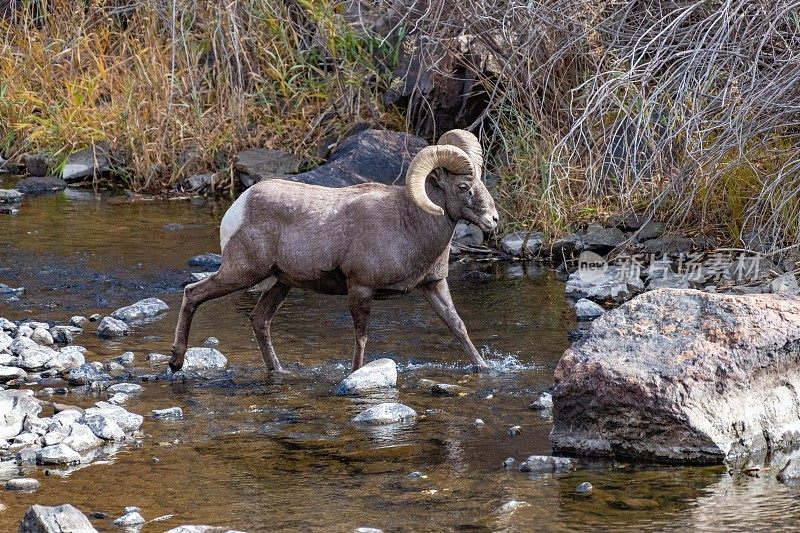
{"x":480,"y":368}
{"x":173,"y":367}
{"x":281,"y":373}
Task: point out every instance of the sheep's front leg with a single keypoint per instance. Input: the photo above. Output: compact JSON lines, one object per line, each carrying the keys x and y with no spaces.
{"x":437,"y":293}
{"x":359,"y":300}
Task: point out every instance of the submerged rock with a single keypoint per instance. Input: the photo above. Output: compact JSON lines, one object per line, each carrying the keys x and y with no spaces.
{"x":10,"y":196}
{"x":61,"y":519}
{"x":127,"y":421}
{"x":385,"y":413}
{"x":697,"y":378}
{"x":790,"y":473}
{"x":141,"y":310}
{"x":171,"y":413}
{"x":381,"y":373}
{"x":202,"y":529}
{"x":86,"y":373}
{"x":111,"y":328}
{"x":41,"y":184}
{"x":130,"y":518}
{"x":584,"y":488}
{"x":545,"y":463}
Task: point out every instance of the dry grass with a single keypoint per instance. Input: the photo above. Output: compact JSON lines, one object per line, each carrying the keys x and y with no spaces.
{"x":181,"y":85}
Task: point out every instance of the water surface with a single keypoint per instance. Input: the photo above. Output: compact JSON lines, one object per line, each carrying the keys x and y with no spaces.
{"x":259,"y":455}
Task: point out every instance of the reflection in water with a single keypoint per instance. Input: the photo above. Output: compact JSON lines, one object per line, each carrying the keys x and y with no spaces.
{"x":260,"y":453}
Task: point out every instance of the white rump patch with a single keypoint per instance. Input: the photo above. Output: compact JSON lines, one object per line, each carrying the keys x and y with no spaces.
{"x":233,"y":219}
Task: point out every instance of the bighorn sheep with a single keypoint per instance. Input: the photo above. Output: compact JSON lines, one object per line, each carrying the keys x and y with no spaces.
{"x":367,"y":241}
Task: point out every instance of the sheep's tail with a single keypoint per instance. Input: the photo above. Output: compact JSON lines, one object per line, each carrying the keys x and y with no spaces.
{"x":233,"y":219}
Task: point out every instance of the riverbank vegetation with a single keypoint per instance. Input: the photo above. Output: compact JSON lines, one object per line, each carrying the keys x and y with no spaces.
{"x":688,"y":110}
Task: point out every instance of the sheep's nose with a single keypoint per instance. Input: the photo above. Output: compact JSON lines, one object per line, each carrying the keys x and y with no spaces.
{"x":495,"y":218}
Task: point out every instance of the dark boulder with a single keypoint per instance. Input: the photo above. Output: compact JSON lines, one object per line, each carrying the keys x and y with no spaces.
{"x":257,"y":164}
{"x":41,"y":184}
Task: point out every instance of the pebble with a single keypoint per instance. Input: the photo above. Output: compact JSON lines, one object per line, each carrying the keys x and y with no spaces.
{"x":22,"y":484}
{"x":478,"y":423}
{"x":157,"y":358}
{"x":126,"y":358}
{"x":127,"y":388}
{"x":42,"y":336}
{"x":584,"y":488}
{"x":514,"y":430}
{"x":110,"y":328}
{"x":543,"y":403}
{"x":132,"y":518}
{"x":508,"y":463}
{"x":95,"y":317}
{"x":211,"y":342}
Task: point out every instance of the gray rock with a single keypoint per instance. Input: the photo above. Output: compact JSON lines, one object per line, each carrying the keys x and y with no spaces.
{"x":86,"y":163}
{"x":478,"y":423}
{"x":41,"y":184}
{"x":157,"y":358}
{"x":15,"y":407}
{"x":171,"y":413}
{"x":208,"y":261}
{"x":385,"y":413}
{"x":672,"y":245}
{"x":30,"y":355}
{"x":381,"y":373}
{"x":198,"y":182}
{"x":5,"y":341}
{"x":141,"y":310}
{"x":67,"y":417}
{"x":790,"y":473}
{"x":257,"y":164}
{"x":369,"y":156}
{"x":584,"y":488}
{"x":522,"y":243}
{"x":114,"y":368}
{"x":785,"y":283}
{"x":587,"y":309}
{"x":126,"y":358}
{"x":669,"y":280}
{"x":10,"y":196}
{"x":61,"y":519}
{"x":24,"y":330}
{"x":203,"y":359}
{"x":38,"y":164}
{"x":59,"y":454}
{"x":126,"y":388}
{"x":111,"y":328}
{"x":211,"y":342}
{"x":79,"y":321}
{"x":127,"y":421}
{"x":671,"y":364}
{"x":545,"y":463}
{"x":613,"y":285}
{"x":42,"y":336}
{"x":65,"y":334}
{"x":514,"y":431}
{"x":202,"y":529}
{"x":566,"y":248}
{"x":543,"y":403}
{"x":7,"y":373}
{"x":468,"y":234}
{"x":200,"y":276}
{"x":79,"y":437}
{"x":602,"y":240}
{"x":651,"y":230}
{"x":105,"y":428}
{"x":29,"y":455}
{"x":447,"y":389}
{"x":95,"y":317}
{"x":86,"y":373}
{"x":513,"y":505}
{"x":129,"y":519}
{"x":67,"y":358}
{"x":10,"y":293}
{"x":509,"y":462}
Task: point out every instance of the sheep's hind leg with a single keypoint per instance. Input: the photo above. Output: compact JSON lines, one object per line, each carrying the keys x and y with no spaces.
{"x":437,"y":293}
{"x":359,"y":299}
{"x":217,"y":285}
{"x":261,"y":318}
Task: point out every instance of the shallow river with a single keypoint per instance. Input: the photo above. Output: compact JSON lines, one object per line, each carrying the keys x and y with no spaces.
{"x":261,"y":455}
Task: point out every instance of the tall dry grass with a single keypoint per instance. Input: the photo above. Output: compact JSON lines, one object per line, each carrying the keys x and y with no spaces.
{"x":686,"y":109}
{"x":180,"y":85}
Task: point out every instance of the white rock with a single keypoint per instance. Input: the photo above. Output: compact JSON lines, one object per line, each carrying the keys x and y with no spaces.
{"x":143,"y":309}
{"x":110,"y":328}
{"x":127,"y":388}
{"x":67,"y":358}
{"x":22,"y":484}
{"x":7,"y":373}
{"x":42,"y":336}
{"x":105,"y":428}
{"x":129,"y":519}
{"x":381,"y":373}
{"x":65,"y":518}
{"x":587,"y":309}
{"x":15,"y":407}
{"x":129,"y":422}
{"x":172,"y":413}
{"x":59,"y":454}
{"x":204,"y":359}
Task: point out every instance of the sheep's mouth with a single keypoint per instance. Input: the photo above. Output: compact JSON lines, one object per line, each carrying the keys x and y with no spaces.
{"x":486,"y":228}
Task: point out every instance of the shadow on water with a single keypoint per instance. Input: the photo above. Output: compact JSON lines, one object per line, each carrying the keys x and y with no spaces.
{"x":260,"y":454}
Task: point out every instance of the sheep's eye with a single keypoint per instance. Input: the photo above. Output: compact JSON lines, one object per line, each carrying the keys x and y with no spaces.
{"x":463,"y":187}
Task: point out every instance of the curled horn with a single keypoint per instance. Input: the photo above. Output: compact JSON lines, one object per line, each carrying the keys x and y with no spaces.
{"x":450,"y":157}
{"x":467,"y":142}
